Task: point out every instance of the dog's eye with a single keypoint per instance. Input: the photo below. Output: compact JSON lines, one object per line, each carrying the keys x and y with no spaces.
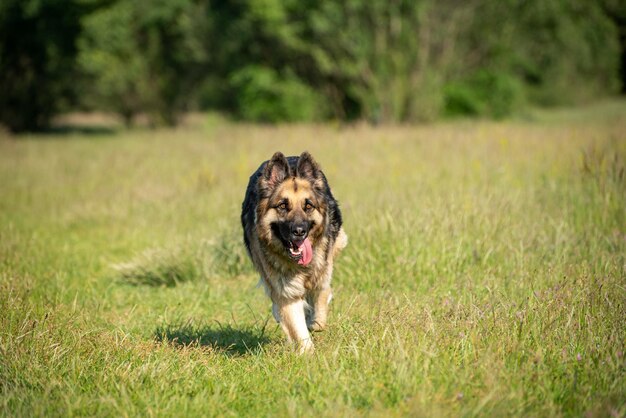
{"x":282,"y":206}
{"x":308,"y":207}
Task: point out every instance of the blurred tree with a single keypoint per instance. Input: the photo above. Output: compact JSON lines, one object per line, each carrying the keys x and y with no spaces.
{"x":389,"y":57}
{"x":256,"y":73}
{"x":562,"y":51}
{"x":300,"y":60}
{"x":147,"y":56}
{"x":376,"y":59}
{"x":264,"y":95}
{"x":568,"y":50}
{"x":37,"y":56}
{"x":616,"y":11}
{"x":417,"y":60}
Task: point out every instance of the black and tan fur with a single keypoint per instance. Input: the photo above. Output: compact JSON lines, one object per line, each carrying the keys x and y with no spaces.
{"x":289,"y":197}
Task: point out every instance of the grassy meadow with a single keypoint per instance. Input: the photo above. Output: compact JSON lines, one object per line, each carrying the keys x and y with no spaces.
{"x":485,"y":273}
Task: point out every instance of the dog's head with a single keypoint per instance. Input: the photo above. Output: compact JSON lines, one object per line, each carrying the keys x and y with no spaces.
{"x":293,"y":216}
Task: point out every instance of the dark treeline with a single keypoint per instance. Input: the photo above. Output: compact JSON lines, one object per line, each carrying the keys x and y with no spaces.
{"x":304,"y":60}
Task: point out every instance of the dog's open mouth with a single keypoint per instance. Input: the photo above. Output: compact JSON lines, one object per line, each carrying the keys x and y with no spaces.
{"x":301,"y":251}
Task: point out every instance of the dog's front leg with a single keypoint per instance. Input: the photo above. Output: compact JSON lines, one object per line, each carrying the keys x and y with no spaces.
{"x":293,"y":322}
{"x":319,"y":302}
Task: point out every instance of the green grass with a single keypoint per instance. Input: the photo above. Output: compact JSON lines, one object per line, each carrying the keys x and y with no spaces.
{"x":485,"y":274}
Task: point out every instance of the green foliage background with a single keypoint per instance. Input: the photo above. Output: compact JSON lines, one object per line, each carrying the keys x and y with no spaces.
{"x":287,"y":60}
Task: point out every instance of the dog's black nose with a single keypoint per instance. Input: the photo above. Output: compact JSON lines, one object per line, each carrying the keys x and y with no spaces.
{"x":298,"y":231}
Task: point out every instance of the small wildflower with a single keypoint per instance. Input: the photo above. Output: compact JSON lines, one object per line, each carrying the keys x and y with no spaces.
{"x":459,"y":396}
{"x":579,"y":357}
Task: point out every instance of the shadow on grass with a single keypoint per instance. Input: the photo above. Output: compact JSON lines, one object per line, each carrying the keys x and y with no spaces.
{"x":63,"y":132}
{"x":71,"y":130}
{"x":224,"y":338}
{"x":84,"y":130}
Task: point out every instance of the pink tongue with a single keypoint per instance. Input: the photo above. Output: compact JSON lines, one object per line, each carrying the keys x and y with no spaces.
{"x":307,"y":252}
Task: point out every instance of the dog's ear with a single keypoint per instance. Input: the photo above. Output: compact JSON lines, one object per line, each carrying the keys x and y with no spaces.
{"x":276,"y":170}
{"x":307,"y":168}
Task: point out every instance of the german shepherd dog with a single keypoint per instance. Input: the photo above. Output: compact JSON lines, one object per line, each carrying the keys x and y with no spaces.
{"x":293,"y":231}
